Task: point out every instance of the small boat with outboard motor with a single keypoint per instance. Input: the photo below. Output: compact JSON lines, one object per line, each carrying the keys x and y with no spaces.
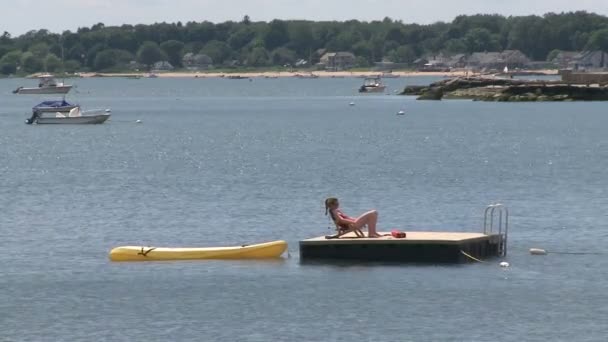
{"x":372,"y":85}
{"x":62,"y":112}
{"x":46,"y":85}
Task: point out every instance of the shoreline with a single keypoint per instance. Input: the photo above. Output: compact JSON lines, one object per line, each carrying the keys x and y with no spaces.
{"x":295,"y":74}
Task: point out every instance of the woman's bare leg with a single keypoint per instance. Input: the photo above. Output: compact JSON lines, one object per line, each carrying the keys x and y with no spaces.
{"x":370,"y":219}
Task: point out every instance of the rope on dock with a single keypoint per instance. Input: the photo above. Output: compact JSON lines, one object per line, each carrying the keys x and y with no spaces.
{"x":470,"y":256}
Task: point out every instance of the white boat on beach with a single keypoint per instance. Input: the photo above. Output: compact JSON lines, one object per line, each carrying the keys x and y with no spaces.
{"x":389,"y":75}
{"x":73,"y":117}
{"x":304,"y":76}
{"x":372,"y":85}
{"x":46,"y":85}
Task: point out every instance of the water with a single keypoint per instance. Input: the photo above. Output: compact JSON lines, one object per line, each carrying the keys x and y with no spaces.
{"x":225,"y":162}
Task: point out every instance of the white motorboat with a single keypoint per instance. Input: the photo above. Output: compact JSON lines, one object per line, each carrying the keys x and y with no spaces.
{"x":46,"y":85}
{"x":75,"y":117}
{"x":372,"y":85}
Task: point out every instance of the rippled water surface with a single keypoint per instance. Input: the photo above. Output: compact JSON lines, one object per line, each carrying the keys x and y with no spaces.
{"x":226,"y":162}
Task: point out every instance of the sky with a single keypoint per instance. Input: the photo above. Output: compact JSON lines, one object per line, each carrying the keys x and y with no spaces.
{"x":20,"y":16}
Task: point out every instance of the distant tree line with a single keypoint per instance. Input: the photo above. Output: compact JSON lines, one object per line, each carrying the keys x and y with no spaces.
{"x":279,"y":42}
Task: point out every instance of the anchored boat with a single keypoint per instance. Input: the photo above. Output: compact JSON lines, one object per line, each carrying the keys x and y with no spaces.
{"x":372,"y":85}
{"x":47,"y":115}
{"x":268,"y":250}
{"x":46,"y":85}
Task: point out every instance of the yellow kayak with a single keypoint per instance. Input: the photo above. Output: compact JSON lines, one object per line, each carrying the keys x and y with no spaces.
{"x":266,"y":250}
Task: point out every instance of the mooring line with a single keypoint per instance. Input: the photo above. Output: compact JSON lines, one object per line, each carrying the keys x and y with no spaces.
{"x":470,"y":256}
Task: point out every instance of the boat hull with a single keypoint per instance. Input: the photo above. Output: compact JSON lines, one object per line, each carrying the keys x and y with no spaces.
{"x":376,"y":90}
{"x":44,"y":90}
{"x":78,"y":120}
{"x":269,"y":250}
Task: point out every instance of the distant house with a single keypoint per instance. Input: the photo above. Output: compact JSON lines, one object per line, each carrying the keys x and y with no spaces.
{"x":589,"y":60}
{"x":438,"y":62}
{"x":198,"y":61}
{"x":498,"y":60}
{"x":338,"y":60}
{"x":563,"y":59}
{"x":162,"y":66}
{"x":135,"y":66}
{"x":514,"y":59}
{"x":457,"y":61}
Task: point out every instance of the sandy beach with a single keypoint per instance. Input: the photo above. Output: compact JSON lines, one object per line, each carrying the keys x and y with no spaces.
{"x":304,"y":74}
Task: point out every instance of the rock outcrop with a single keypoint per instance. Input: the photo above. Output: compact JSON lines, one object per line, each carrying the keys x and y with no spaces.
{"x":507,"y":90}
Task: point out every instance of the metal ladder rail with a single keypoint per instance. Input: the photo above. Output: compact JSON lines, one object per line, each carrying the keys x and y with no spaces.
{"x":488,"y":224}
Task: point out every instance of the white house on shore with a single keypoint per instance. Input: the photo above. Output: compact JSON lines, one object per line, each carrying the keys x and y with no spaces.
{"x":198,"y":61}
{"x":162,"y":66}
{"x":338,"y":60}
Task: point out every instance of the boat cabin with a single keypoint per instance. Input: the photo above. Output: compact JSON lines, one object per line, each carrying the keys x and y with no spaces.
{"x":46,"y":81}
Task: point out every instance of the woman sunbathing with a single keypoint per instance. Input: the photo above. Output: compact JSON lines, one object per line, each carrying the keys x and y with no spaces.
{"x":346,"y":223}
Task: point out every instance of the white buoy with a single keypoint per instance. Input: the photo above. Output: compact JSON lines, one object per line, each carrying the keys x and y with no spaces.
{"x":351,"y":104}
{"x":137,"y":121}
{"x":504,"y":264}
{"x":401,"y":112}
{"x":538,"y":251}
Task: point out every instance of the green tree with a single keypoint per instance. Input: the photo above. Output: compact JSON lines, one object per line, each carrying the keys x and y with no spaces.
{"x":12,"y":58}
{"x":9,"y":62}
{"x":598,"y":40}
{"x":403,"y":54}
{"x":121,"y":40}
{"x":361,"y":62}
{"x":7,"y":69}
{"x":105,"y":59}
{"x":31,"y":63}
{"x":173,"y":49}
{"x":218,"y":51}
{"x":39,"y":50}
{"x":52,"y":63}
{"x":454,"y":46}
{"x":241,"y":37}
{"x":363,"y":49}
{"x":301,"y":38}
{"x":283,"y":56}
{"x":277,"y":34}
{"x":71,"y":65}
{"x":480,"y":39}
{"x":112,"y":58}
{"x":92,"y":53}
{"x":149,"y":53}
{"x":258,"y":57}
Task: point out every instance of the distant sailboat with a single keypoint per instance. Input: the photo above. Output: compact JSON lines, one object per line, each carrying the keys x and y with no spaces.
{"x":506,"y":70}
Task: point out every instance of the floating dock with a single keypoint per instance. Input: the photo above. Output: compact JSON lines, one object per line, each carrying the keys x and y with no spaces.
{"x":417,"y":247}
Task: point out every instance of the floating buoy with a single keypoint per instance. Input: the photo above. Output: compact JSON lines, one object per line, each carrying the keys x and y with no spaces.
{"x":538,"y":251}
{"x":137,"y":121}
{"x":351,"y":104}
{"x":401,"y":112}
{"x":504,"y":264}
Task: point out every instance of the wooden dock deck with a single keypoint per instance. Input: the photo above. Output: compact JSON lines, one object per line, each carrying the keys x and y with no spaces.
{"x":417,"y":247}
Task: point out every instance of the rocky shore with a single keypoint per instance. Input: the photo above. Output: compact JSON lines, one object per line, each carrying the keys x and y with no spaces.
{"x":508,"y":90}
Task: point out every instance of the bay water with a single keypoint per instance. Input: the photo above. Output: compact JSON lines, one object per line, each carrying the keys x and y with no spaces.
{"x":218,"y":162}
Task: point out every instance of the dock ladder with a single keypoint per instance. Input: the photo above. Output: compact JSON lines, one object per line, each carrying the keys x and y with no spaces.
{"x":496,"y":222}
